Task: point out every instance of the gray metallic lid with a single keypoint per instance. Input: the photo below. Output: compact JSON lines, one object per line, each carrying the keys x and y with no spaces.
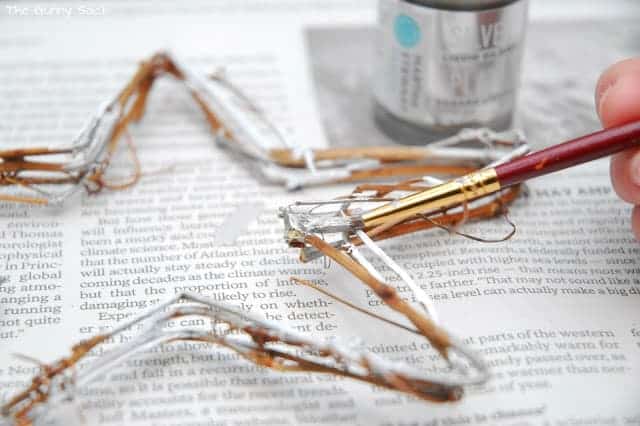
{"x":462,"y":4}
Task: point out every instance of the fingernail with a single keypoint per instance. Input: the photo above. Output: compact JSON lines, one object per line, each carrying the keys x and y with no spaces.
{"x":603,"y":97}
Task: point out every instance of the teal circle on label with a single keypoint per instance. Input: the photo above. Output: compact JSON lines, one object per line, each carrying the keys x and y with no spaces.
{"x":407,"y":30}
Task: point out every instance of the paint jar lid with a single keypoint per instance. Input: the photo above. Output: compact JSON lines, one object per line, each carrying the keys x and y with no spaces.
{"x":462,"y":4}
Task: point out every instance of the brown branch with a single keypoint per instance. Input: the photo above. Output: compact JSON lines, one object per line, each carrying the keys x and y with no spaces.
{"x":396,"y":161}
{"x":387,"y":294}
{"x":271,"y":346}
{"x":385,"y":154}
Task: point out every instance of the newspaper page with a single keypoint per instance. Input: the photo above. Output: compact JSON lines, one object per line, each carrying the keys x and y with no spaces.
{"x":554,"y":311}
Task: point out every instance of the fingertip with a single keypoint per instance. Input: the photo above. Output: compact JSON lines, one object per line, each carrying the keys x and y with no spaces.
{"x":620,"y":103}
{"x":610,"y":77}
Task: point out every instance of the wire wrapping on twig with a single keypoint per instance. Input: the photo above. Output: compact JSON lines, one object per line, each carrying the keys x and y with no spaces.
{"x":265,"y":343}
{"x":50,"y":175}
{"x":262,"y":342}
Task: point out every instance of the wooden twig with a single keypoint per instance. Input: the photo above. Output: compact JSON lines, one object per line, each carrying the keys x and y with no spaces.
{"x":35,"y":169}
{"x":262,"y":342}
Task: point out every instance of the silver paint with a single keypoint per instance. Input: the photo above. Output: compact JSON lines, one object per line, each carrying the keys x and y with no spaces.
{"x":443,"y":68}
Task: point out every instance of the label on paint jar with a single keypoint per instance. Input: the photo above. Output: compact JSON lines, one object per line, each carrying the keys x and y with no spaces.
{"x":448,"y":67}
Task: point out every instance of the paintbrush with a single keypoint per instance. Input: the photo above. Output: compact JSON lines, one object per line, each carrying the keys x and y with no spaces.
{"x":460,"y":191}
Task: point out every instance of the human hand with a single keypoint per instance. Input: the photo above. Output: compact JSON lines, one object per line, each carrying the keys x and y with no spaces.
{"x":618,"y":102}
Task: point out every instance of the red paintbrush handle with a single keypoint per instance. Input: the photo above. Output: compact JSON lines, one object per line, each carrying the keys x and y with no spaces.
{"x":577,"y":151}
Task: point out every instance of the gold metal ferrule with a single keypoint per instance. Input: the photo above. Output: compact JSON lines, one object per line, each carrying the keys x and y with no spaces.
{"x":444,"y":196}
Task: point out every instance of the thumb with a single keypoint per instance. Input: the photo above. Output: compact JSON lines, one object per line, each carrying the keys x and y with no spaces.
{"x":618,"y":93}
{"x":618,"y":102}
